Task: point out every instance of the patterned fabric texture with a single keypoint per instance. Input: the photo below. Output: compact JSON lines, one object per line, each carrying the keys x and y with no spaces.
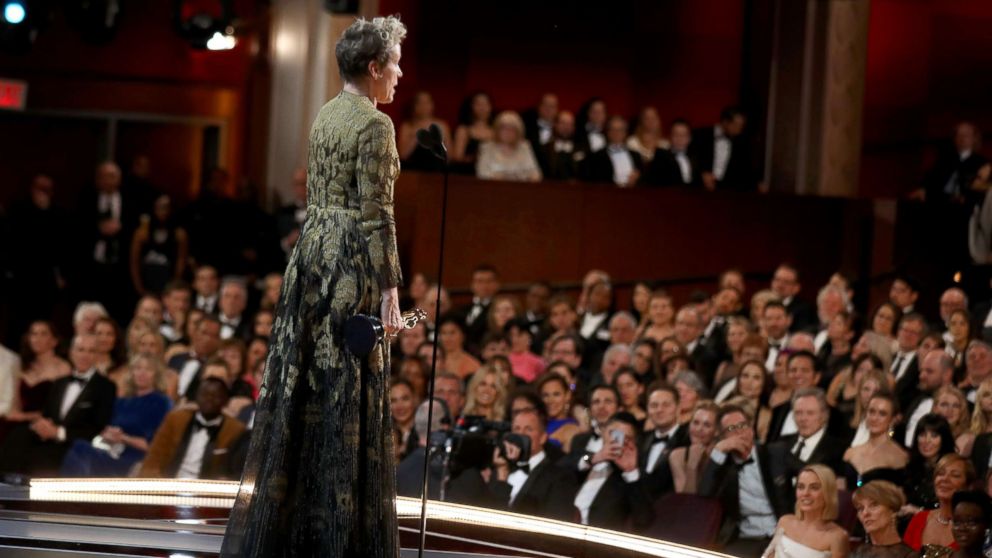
{"x":319,"y":478}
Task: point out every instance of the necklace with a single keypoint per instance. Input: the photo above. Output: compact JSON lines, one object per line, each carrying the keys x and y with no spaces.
{"x":941,"y":520}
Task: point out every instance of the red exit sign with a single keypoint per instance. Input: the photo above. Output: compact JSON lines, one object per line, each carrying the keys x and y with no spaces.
{"x":13,"y":94}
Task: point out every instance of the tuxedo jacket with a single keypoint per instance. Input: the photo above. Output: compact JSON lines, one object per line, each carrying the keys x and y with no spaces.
{"x":621,"y":505}
{"x":410,"y":476}
{"x":720,"y":481}
{"x":717,"y":341}
{"x":660,"y":481}
{"x":91,"y":411}
{"x":664,"y":170}
{"x":548,"y":492}
{"x":980,"y":453}
{"x":596,"y":344}
{"x":837,"y":426}
{"x":739,"y":175}
{"x":557,"y":165}
{"x":118,"y":245}
{"x":177,"y":363}
{"x":705,"y":362}
{"x":907,"y":388}
{"x":947,"y":164}
{"x":803,"y":316}
{"x":978,"y":316}
{"x":168,"y":448}
{"x":475,"y":331}
{"x":570,"y":461}
{"x":243,"y":330}
{"x":599,"y":166}
{"x":829,"y":451}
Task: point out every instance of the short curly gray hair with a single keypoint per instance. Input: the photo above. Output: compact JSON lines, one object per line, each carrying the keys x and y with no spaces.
{"x":366,"y":41}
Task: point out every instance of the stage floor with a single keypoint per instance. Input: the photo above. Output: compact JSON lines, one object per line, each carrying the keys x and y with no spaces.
{"x":185,"y":519}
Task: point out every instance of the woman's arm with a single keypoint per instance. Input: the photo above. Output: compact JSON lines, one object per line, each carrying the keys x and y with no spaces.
{"x":407,"y":141}
{"x":676,"y":462}
{"x":375,"y":186}
{"x":461,"y":143}
{"x":531,"y":171}
{"x":484,"y":167}
{"x":839,"y":543}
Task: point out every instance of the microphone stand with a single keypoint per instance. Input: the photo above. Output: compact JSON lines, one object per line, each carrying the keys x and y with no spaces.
{"x":436,"y":146}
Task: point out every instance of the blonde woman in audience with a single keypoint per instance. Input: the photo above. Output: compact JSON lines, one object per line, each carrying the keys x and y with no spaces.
{"x":509,"y":156}
{"x":843,"y":391}
{"x":660,"y":322}
{"x":872,"y":381}
{"x":930,"y":530}
{"x":647,"y":137}
{"x":880,"y":457}
{"x":950,"y":403}
{"x":877,"y":504}
{"x":811,"y":532}
{"x":39,"y":369}
{"x":687,"y":463}
{"x":486,"y":395}
{"x":981,"y":419}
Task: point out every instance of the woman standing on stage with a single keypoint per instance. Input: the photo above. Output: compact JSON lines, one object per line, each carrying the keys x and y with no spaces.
{"x":319,"y":477}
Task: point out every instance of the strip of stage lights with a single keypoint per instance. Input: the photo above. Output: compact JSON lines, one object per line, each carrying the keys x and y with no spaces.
{"x":221,"y":494}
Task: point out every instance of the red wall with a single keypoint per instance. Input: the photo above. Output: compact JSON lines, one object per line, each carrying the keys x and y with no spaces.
{"x":684,"y":56}
{"x":929,"y":65}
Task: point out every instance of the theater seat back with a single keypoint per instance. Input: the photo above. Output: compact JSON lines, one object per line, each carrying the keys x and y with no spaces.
{"x":687,"y":519}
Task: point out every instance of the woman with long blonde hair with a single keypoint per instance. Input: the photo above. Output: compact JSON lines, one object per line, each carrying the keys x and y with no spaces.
{"x":486,"y":395}
{"x":810,"y":532}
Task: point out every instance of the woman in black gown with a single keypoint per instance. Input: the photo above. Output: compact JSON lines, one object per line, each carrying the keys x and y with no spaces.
{"x":319,"y":478}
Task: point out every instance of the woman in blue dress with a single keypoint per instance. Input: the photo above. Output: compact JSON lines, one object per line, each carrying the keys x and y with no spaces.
{"x":136,"y":417}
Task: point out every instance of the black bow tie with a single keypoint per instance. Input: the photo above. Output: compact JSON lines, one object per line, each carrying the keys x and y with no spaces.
{"x":596,"y":435}
{"x":744,"y":463}
{"x":525,"y":468}
{"x":659,"y":439}
{"x":81,"y":380}
{"x":774,"y":345}
{"x":211,"y":429}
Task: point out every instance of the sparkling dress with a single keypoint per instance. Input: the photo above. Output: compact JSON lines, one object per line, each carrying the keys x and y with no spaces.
{"x":319,"y":479}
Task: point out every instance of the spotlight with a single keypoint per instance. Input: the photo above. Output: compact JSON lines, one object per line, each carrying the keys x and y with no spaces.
{"x":206,"y":23}
{"x":222,"y":41}
{"x":14,"y":13}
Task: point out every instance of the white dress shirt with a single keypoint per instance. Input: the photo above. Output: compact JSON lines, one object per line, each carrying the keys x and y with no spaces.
{"x":544,"y":131}
{"x":922,"y":409}
{"x":108,"y":205}
{"x":721,"y":152}
{"x":594,"y":483}
{"x":789,"y":425}
{"x":820,"y":340}
{"x":597,"y":140}
{"x":478,"y":305}
{"x":757,"y":516}
{"x":517,"y":478}
{"x":773,"y":351}
{"x":861,"y":434}
{"x":685,"y":166}
{"x":189,"y":371}
{"x":228,"y":326}
{"x":623,"y":164}
{"x":10,"y":368}
{"x":207,"y":303}
{"x":193,"y":460}
{"x":590,"y":323}
{"x":808,"y":444}
{"x":592,"y":446}
{"x":658,"y":448}
{"x":73,"y":390}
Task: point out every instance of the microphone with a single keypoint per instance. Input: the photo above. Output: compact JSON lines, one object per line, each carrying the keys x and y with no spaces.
{"x":430,"y":139}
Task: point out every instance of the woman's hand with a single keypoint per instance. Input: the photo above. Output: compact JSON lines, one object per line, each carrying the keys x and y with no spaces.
{"x":390,"y":311}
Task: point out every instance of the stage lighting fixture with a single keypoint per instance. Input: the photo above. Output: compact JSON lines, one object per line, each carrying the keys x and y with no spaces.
{"x":201,"y":21}
{"x":19,"y":23}
{"x":14,"y":13}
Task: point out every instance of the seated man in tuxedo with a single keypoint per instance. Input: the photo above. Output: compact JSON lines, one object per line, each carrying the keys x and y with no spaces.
{"x":612,"y":494}
{"x":200,"y":443}
{"x":539,"y":121}
{"x":558,"y":157}
{"x":231,"y":309}
{"x":936,"y":371}
{"x":535,"y":487}
{"x":206,"y":286}
{"x":752,"y":487}
{"x":594,"y":324}
{"x":803,"y":372}
{"x":955,"y":169}
{"x":205,"y":342}
{"x":905,"y":365}
{"x":674,"y":166}
{"x":811,"y":443}
{"x":449,"y":388}
{"x":904,"y":292}
{"x":484,"y":286}
{"x":617,"y":163}
{"x":977,"y":367}
{"x":775,"y":323}
{"x":604,"y":402}
{"x":78,"y":407}
{"x":688,"y":331}
{"x":785,"y":284}
{"x":176,"y":299}
{"x":657,"y":444}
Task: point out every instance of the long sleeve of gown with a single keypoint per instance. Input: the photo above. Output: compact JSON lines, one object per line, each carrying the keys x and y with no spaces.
{"x":376,"y":171}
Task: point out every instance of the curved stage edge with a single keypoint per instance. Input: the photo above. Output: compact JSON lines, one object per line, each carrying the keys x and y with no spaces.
{"x":185,"y":519}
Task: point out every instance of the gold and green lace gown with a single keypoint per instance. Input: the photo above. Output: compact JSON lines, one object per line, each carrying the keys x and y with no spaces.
{"x":319,"y":478}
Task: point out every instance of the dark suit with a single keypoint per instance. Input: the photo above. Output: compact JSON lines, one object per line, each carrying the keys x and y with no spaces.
{"x":980,"y":453}
{"x":476,"y":330}
{"x":558,"y":164}
{"x":24,"y":452}
{"x":107,"y":279}
{"x":721,"y":481}
{"x":705,"y":362}
{"x":659,"y":481}
{"x":829,"y":451}
{"x":242,"y":330}
{"x":907,"y":387}
{"x":664,"y":170}
{"x":950,"y":168}
{"x":836,"y":424}
{"x":738,"y":176}
{"x":548,"y":492}
{"x":599,"y":166}
{"x":571,"y":460}
{"x":620,"y":504}
{"x":978,"y":321}
{"x":410,"y":476}
{"x":803,"y":315}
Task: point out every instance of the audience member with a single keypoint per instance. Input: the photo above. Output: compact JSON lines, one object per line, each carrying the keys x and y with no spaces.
{"x":205,"y":342}
{"x":475,"y":126}
{"x":691,"y":390}
{"x":811,"y":531}
{"x":877,"y":504}
{"x":590,"y":128}
{"x":660,"y":321}
{"x":558,"y":157}
{"x":977,"y":366}
{"x":647,"y":139}
{"x":687,"y":462}
{"x":616,"y":163}
{"x":880,"y":457}
{"x":722,"y":152}
{"x":539,"y":121}
{"x":664,"y":433}
{"x":206,"y":287}
{"x":905,"y":366}
{"x":159,"y":249}
{"x":452,"y":338}
{"x":811,"y":443}
{"x":410,"y":471}
{"x":231,"y":309}
{"x":933,"y":526}
{"x":32,"y":377}
{"x":557,"y":398}
{"x":402,"y":407}
{"x":198,"y":443}
{"x":678,"y":165}
{"x":972,"y":515}
{"x":486,"y":395}
{"x":449,"y":388}
{"x":419,"y":116}
{"x":936,"y":371}
{"x":950,"y":178}
{"x":932,"y":441}
{"x":508,"y":156}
